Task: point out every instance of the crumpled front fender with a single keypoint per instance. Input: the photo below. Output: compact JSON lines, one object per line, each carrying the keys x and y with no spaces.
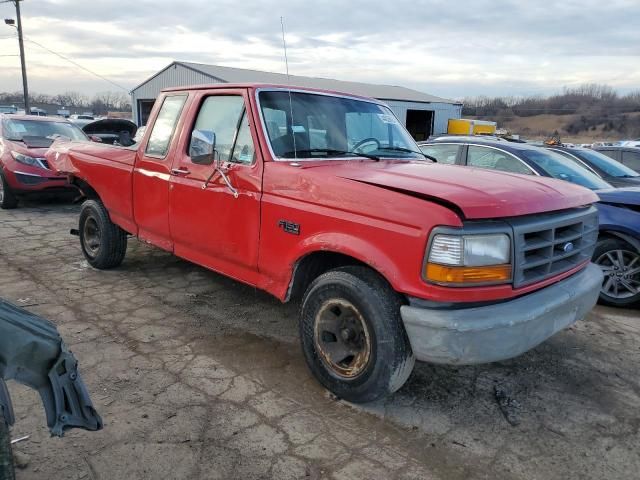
{"x":33,"y":353}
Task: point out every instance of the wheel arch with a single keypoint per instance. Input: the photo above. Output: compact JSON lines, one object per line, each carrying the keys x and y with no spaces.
{"x":89,"y":193}
{"x":634,"y":242}
{"x":85,"y":188}
{"x":314,"y":263}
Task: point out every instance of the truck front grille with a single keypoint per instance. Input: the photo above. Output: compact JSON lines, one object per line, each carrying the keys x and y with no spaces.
{"x":550,"y":244}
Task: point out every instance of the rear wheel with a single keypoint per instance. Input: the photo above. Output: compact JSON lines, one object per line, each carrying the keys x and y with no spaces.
{"x":352,"y":335}
{"x":104,"y":244}
{"x":6,"y":456}
{"x":620,"y":263}
{"x":7,"y":197}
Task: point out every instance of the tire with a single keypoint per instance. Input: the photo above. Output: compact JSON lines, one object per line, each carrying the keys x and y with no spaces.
{"x":104,"y":244}
{"x":368,"y":330}
{"x":8,"y":199}
{"x":620,"y":263}
{"x":7,"y":471}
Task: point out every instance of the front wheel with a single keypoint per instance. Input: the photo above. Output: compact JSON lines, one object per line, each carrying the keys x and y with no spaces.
{"x":7,"y":197}
{"x":352,"y":335}
{"x":7,"y":471}
{"x":104,"y":244}
{"x":620,"y":263}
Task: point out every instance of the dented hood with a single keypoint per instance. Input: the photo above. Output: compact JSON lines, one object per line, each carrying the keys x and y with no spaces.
{"x":477,"y":193}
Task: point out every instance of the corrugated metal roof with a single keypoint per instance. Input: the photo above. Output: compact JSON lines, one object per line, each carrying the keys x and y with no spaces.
{"x":242,"y":75}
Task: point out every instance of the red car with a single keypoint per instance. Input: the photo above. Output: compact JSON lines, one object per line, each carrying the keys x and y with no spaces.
{"x":326,"y":198}
{"x":24,"y":139}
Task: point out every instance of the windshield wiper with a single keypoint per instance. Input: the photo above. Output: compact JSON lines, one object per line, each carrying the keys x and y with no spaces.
{"x":408,"y":150}
{"x":330,"y":151}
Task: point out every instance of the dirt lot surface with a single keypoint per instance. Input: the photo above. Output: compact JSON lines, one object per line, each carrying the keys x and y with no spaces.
{"x":197,"y":376}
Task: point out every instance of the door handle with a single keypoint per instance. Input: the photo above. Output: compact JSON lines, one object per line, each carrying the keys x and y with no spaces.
{"x":180,"y":171}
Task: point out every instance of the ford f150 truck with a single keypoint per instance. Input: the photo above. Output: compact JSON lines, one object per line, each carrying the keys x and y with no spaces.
{"x":325,"y":197}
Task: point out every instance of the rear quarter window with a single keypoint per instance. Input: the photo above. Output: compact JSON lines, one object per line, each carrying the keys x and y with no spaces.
{"x":494,"y":159}
{"x":446,"y":154}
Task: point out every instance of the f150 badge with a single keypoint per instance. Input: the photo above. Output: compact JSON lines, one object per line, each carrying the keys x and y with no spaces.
{"x":289,"y":227}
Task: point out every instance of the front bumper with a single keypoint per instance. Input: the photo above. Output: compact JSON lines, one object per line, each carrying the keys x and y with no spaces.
{"x":28,"y":180}
{"x":496,"y":332}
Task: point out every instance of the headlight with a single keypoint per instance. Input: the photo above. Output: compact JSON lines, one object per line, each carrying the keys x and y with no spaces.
{"x":27,"y":160}
{"x":469,"y":259}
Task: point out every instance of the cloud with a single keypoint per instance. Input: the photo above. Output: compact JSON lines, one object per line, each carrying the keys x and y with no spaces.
{"x":453,"y":49}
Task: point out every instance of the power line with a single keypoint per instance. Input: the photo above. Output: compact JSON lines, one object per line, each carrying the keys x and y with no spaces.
{"x":78,"y":65}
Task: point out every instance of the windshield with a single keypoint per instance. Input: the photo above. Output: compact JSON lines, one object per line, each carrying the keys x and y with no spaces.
{"x":562,"y":168}
{"x":15,"y":130}
{"x":330,"y":127}
{"x":606,"y":164}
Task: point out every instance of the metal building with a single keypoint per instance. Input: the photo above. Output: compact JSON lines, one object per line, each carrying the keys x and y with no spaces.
{"x":421,"y":113}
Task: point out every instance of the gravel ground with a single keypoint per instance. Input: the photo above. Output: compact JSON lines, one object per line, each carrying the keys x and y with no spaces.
{"x":197,"y":376}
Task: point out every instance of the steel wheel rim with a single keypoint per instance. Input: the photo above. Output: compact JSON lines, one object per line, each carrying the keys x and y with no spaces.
{"x":91,"y":236}
{"x":342,"y":338}
{"x":621,"y":270}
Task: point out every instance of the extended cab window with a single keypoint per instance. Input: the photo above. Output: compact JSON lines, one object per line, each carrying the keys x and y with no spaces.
{"x":164,"y":126}
{"x":224,"y":115}
{"x":485,"y":157}
{"x":446,"y":154}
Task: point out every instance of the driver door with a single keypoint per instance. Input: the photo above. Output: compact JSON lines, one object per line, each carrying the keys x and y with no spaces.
{"x":209,"y":223}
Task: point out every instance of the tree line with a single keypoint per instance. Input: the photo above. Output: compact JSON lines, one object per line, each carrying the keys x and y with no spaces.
{"x":582,"y":99}
{"x":99,"y":104}
{"x":598,"y":106}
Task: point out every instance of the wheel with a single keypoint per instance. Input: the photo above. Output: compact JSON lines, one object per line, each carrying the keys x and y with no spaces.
{"x":352,"y":335}
{"x":104,"y":244}
{"x":7,"y":197}
{"x":620,"y":263}
{"x":7,"y":471}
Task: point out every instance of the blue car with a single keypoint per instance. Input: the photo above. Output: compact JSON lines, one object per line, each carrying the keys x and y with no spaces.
{"x":618,"y":248}
{"x":605,"y":167}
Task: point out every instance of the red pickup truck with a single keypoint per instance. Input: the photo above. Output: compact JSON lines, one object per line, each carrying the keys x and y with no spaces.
{"x":325,"y":197}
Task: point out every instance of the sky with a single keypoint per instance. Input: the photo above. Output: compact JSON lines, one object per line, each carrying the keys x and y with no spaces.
{"x":453,"y":49}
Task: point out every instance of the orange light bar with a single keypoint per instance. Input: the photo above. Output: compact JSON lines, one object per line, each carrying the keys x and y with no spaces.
{"x":468,"y":275}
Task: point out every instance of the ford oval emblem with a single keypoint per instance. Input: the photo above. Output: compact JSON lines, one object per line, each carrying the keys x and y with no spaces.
{"x":568,"y":247}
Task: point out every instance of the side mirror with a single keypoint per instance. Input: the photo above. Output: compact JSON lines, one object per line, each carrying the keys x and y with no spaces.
{"x":95,"y":138}
{"x":202,"y":147}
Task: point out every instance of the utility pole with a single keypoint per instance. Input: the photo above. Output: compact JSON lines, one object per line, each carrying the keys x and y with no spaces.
{"x":23,"y":63}
{"x":25,"y":88}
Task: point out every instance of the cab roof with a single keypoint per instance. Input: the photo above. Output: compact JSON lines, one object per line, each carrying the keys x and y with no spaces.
{"x":267,"y":86}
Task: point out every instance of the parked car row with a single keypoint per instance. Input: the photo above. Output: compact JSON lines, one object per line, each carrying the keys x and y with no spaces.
{"x":618,"y":249}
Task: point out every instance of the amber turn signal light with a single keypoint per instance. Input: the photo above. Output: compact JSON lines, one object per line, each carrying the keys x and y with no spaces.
{"x":468,"y":275}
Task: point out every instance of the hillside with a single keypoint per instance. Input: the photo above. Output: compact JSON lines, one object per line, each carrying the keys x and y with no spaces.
{"x":581,"y":114}
{"x":539,"y":127}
